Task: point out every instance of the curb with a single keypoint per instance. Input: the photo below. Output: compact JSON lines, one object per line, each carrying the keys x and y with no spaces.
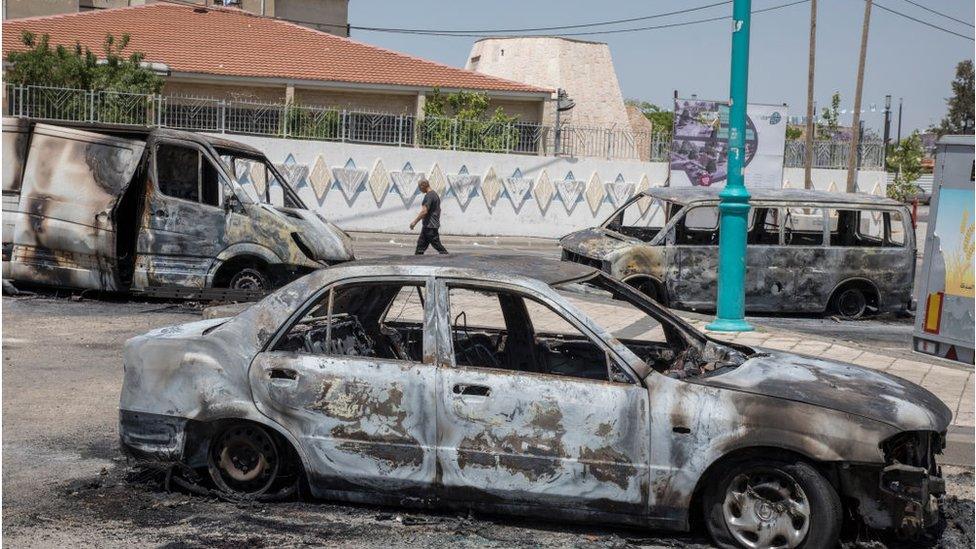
{"x":411,"y":238}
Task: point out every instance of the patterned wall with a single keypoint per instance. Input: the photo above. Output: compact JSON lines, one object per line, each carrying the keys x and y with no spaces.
{"x":374,"y":188}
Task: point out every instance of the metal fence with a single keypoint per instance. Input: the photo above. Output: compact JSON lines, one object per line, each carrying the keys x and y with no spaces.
{"x":330,"y":124}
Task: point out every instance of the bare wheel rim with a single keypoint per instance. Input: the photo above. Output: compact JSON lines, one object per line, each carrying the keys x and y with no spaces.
{"x":766,"y":509}
{"x":244,"y":460}
{"x":851,"y":303}
{"x":248,"y":279}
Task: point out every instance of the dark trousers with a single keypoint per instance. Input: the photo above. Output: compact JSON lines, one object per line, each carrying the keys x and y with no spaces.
{"x":429,"y":237}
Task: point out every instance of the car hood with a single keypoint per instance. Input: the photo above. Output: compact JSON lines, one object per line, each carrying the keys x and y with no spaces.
{"x":597,"y":242}
{"x":839,"y":386}
{"x":326,"y":241}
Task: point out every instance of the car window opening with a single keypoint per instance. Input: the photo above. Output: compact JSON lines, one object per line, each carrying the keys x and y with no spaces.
{"x":372,"y":320}
{"x":663,"y":341}
{"x":260,"y":180}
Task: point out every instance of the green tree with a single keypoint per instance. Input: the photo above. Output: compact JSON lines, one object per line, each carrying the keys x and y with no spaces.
{"x":959,"y":118}
{"x":461,"y":120}
{"x":662,"y":121}
{"x":43,"y":65}
{"x":794,"y":132}
{"x":829,"y":126}
{"x":906,"y":161}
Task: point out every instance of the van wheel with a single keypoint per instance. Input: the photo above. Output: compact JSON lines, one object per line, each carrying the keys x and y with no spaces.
{"x":759,"y":503}
{"x":249,"y":278}
{"x":851,"y":303}
{"x":651,"y":290}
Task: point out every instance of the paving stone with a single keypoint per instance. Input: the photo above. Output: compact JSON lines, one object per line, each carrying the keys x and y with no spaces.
{"x":875,"y":361}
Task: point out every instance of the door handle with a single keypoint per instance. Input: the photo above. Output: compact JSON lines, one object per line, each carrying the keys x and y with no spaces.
{"x":472,"y":390}
{"x":283,"y":373}
{"x":161,"y":213}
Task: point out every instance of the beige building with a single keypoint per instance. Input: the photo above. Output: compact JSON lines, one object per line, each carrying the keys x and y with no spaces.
{"x":330,"y":16}
{"x":584,"y":69}
{"x":232,"y":54}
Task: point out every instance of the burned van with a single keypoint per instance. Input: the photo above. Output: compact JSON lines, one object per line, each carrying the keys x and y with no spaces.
{"x":808,"y":251}
{"x":153,"y":210}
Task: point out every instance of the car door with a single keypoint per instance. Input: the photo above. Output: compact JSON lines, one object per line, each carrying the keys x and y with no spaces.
{"x":184,"y":223}
{"x":354,"y":385}
{"x":770,"y":268}
{"x":64,"y":230}
{"x":696,"y":236}
{"x":510,"y":433}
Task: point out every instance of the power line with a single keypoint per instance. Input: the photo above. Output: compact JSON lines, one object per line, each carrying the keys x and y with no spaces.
{"x":589,"y":33}
{"x":536,"y":29}
{"x":926,"y":23}
{"x":928,"y":9}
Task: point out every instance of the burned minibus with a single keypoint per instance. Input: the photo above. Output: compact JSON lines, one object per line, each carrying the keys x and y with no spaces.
{"x":153,"y":210}
{"x":808,"y":251}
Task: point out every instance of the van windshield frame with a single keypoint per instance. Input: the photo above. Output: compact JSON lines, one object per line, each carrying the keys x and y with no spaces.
{"x":292,"y":200}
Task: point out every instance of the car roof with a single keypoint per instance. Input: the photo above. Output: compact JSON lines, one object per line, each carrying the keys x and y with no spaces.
{"x":549,"y":271}
{"x":686,"y":195}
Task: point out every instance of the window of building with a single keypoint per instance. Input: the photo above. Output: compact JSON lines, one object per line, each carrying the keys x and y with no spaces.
{"x":375,"y":320}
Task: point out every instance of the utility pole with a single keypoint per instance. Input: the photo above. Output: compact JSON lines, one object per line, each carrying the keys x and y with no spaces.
{"x":887,"y":122}
{"x":734,"y":198}
{"x":899,"y":121}
{"x":811,"y":109}
{"x":855,"y":142}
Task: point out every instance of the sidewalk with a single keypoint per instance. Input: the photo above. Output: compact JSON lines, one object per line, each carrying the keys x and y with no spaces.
{"x":952,"y":385}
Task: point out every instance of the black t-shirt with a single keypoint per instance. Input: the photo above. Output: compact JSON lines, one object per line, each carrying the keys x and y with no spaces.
{"x":433,"y":203}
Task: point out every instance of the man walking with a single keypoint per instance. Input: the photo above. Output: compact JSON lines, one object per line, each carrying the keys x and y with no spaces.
{"x":430,"y":213}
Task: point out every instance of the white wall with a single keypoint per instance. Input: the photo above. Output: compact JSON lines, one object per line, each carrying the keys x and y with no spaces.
{"x":370,"y":188}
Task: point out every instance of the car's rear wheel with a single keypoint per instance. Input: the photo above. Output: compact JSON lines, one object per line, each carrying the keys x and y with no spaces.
{"x":851,"y":303}
{"x":244,"y":460}
{"x":760,"y":503}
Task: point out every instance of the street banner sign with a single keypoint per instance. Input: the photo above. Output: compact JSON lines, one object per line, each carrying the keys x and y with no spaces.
{"x":699,"y":144}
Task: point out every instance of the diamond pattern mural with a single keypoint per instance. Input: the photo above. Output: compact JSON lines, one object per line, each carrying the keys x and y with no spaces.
{"x":437,"y":180}
{"x":379,"y":182}
{"x":619,"y":191}
{"x":464,"y":186}
{"x":491,"y":189}
{"x":517,"y":188}
{"x":405,"y":181}
{"x":595,"y":192}
{"x":350,"y":180}
{"x":543,"y":191}
{"x":320,"y":178}
{"x":569,"y":191}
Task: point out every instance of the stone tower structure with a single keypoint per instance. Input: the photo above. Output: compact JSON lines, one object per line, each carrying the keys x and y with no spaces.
{"x":584,"y":69}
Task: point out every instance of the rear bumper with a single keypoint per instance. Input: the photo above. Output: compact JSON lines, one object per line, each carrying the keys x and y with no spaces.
{"x":152,"y":437}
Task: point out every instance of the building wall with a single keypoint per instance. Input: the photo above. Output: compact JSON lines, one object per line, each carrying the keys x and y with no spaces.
{"x":352,"y":100}
{"x":15,"y":9}
{"x":527,"y":111}
{"x":267,"y":94}
{"x":331,"y":16}
{"x":365,"y":187}
{"x":584,"y":69}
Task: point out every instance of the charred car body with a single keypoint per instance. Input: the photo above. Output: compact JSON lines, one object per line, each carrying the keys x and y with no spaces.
{"x":808,"y":251}
{"x":119,"y":209}
{"x":487,"y":382}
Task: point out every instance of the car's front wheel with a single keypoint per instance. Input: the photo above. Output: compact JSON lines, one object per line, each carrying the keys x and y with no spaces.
{"x":760,"y":503}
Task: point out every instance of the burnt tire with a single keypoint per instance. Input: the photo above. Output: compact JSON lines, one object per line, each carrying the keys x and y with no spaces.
{"x":850,"y":303}
{"x":250,"y":278}
{"x":245,"y":461}
{"x":651,"y":290}
{"x":757,"y":502}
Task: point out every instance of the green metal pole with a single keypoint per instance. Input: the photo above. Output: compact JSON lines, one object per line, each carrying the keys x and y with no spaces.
{"x":734,"y":204}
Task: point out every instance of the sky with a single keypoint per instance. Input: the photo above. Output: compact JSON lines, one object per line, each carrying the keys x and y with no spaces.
{"x":905,"y":59}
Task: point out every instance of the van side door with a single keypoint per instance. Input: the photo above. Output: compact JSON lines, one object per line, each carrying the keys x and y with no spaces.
{"x":184,"y":222}
{"x":696,"y":237}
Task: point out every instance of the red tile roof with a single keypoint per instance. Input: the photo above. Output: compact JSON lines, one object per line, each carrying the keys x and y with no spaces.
{"x":231,"y":42}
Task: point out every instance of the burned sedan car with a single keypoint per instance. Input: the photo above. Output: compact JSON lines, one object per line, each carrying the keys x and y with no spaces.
{"x":147,"y":210}
{"x":515,"y":384}
{"x":808,"y":251}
